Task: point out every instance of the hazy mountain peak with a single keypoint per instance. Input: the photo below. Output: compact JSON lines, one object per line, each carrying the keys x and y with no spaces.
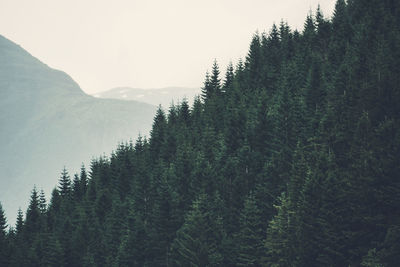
{"x":23,"y":70}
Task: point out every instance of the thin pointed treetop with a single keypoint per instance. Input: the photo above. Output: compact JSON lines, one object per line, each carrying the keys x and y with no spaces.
{"x":229,"y":76}
{"x":83,"y":179}
{"x":215,"y":81}
{"x":274,"y":35}
{"x":319,"y":16}
{"x":34,"y":202}
{"x":20,"y":221}
{"x":309,"y":25}
{"x":206,"y":91}
{"x":64,"y":185}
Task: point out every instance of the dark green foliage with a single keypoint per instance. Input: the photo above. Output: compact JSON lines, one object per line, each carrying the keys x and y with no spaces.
{"x":215,"y":82}
{"x":229,"y":78}
{"x":64,"y":186}
{"x":20,"y":222}
{"x":3,"y":222}
{"x":33,"y":222}
{"x":199,"y":239}
{"x":291,"y":160}
{"x":250,"y":237}
{"x":4,"y":244}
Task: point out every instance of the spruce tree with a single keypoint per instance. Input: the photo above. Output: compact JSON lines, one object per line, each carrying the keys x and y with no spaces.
{"x":157,"y":134}
{"x":76,"y":187}
{"x":20,"y":222}
{"x":250,"y":239}
{"x":207,"y":90}
{"x":215,"y":81}
{"x":33,"y":217}
{"x":4,"y":244}
{"x":3,"y":222}
{"x":64,"y":185}
{"x":198,"y":240}
{"x":83,"y":180}
{"x":229,"y":78}
{"x":253,"y":65}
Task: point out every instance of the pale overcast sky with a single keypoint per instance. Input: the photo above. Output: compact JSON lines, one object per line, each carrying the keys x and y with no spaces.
{"x":147,"y":43}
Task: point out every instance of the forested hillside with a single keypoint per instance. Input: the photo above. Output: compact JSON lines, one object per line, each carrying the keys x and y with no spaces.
{"x":290,"y":158}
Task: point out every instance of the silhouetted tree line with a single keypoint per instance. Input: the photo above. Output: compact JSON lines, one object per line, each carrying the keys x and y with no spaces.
{"x":292,"y":158}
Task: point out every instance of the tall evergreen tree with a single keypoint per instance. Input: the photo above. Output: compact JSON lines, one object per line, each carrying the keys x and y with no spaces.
{"x":20,"y":222}
{"x":158,"y":133}
{"x":229,"y":78}
{"x":250,"y":239}
{"x":207,"y":89}
{"x":33,"y":217}
{"x":64,"y":185}
{"x":215,"y":81}
{"x":198,"y":241}
{"x":4,"y":244}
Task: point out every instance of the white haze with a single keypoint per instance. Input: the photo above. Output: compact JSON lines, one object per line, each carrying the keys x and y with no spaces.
{"x":144,"y":44}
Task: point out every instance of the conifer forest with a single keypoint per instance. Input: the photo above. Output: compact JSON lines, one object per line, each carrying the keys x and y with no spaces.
{"x":289,"y":158}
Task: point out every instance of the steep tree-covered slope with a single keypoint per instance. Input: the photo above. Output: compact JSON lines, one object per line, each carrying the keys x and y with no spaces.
{"x":47,"y":121}
{"x":289,"y":159}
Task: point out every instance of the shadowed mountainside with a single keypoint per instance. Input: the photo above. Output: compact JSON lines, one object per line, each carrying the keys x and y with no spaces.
{"x":47,"y":122}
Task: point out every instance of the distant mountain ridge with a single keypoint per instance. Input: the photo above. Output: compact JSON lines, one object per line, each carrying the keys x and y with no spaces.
{"x":154,"y":96}
{"x":47,"y":121}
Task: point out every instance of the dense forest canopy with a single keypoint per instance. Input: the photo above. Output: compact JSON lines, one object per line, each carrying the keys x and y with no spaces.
{"x":289,"y":158}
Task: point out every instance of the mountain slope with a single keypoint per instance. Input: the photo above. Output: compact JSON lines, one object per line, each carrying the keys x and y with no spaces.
{"x":47,"y":122}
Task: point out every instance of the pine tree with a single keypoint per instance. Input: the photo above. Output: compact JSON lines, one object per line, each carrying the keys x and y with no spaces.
{"x":83,"y":180}
{"x":229,"y":78}
{"x":165,"y":219}
{"x":33,"y":217}
{"x":207,"y":90}
{"x":20,"y":222}
{"x":249,"y":239}
{"x":134,"y":247}
{"x":272,"y":59}
{"x":280,"y":243}
{"x":198,"y":240}
{"x":184,"y":113}
{"x":341,"y":33}
{"x":215,"y":81}
{"x":54,"y":253}
{"x":157,"y":134}
{"x":54,"y":210}
{"x":323,"y":31}
{"x":3,"y":223}
{"x":76,"y":187}
{"x":64,"y":185}
{"x":253,"y":65}
{"x":4,"y":244}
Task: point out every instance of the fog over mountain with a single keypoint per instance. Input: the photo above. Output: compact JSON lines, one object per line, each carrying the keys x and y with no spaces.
{"x":164,"y":96}
{"x":47,"y":121}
